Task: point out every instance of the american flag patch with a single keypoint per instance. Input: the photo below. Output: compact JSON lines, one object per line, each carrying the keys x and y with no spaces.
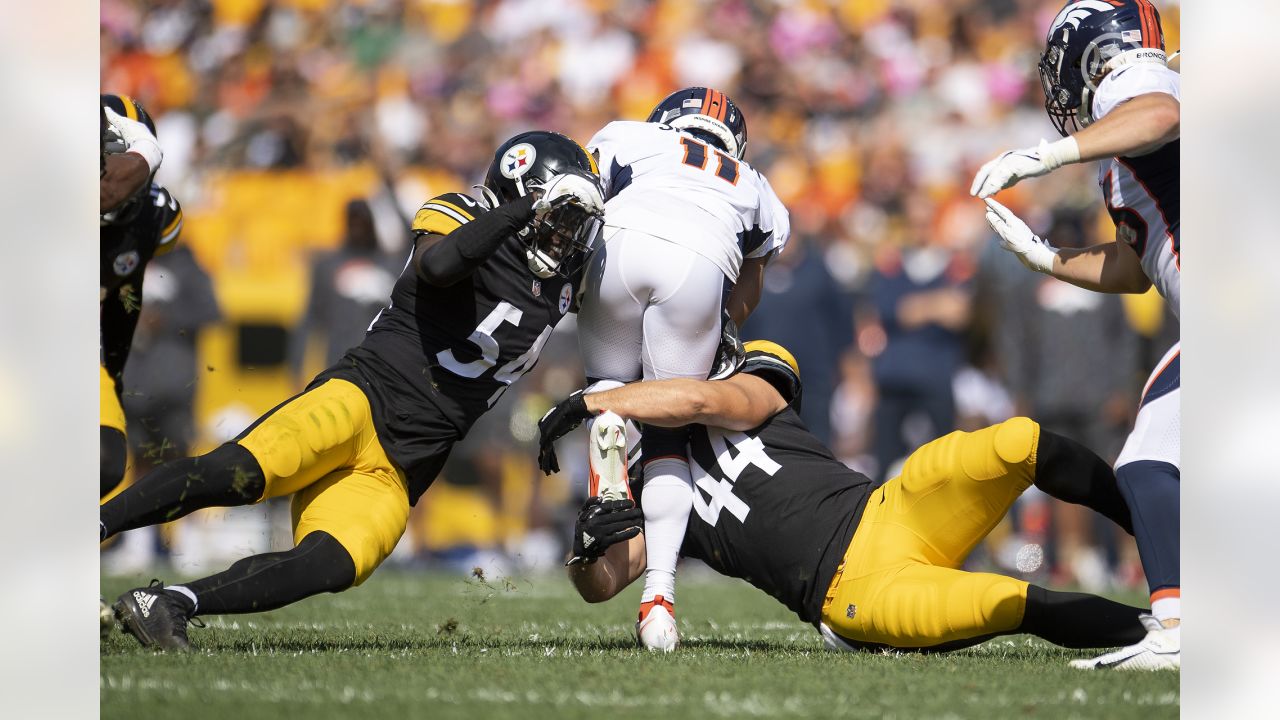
{"x":1134,"y":36}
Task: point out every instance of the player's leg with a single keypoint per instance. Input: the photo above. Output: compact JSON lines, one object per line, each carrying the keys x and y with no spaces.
{"x":610,"y":314}
{"x":1071,"y":472}
{"x":113,"y":448}
{"x":681,"y":335}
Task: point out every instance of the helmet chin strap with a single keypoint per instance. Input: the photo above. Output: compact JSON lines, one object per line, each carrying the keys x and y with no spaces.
{"x":541,"y":265}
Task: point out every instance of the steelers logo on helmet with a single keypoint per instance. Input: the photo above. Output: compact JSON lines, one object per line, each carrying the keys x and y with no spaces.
{"x":517,"y":160}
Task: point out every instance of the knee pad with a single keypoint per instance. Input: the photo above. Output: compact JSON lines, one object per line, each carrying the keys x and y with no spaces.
{"x":1016,"y":439}
{"x":113,"y":458}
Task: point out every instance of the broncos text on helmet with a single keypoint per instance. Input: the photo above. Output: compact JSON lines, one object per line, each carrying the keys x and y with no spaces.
{"x":707,"y":112}
{"x":1087,"y":40}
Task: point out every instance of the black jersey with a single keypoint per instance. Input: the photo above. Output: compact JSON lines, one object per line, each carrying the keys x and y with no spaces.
{"x":437,"y":358}
{"x":126,"y":248}
{"x":772,"y":505}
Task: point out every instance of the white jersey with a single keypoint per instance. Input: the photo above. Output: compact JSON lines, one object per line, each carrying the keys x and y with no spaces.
{"x":1142,"y":192}
{"x":666,"y":183}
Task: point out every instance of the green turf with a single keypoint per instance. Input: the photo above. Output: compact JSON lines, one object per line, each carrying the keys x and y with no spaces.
{"x":419,"y":646}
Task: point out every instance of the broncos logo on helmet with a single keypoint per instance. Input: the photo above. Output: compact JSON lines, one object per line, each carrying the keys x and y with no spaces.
{"x":706,"y":112}
{"x":1087,"y":40}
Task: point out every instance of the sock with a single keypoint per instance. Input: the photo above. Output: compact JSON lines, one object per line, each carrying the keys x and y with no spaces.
{"x":1166,"y":604}
{"x":226,"y":477}
{"x":113,"y":455}
{"x":265,"y":582}
{"x":1151,"y":489}
{"x":666,"y":501}
{"x":1073,"y":473}
{"x":1080,"y":620}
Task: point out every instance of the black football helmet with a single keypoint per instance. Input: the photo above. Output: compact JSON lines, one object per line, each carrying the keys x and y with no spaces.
{"x":558,"y":242}
{"x":113,"y":144}
{"x":706,"y":112}
{"x":1087,"y":40}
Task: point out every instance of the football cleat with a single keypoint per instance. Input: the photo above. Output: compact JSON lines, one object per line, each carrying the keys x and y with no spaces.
{"x":154,"y":617}
{"x":656,"y":628}
{"x":1161,"y":649}
{"x":608,"y":458}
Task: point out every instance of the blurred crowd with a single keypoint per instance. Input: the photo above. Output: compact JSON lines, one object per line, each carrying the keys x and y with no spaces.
{"x":868,"y":116}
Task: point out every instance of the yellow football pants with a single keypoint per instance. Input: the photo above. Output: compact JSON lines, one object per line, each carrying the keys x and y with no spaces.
{"x":899,"y":584}
{"x":322,"y":448}
{"x":110,"y":414}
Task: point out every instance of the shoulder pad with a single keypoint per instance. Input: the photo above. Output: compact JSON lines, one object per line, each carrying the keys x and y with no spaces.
{"x":170,"y":214}
{"x":445,"y":213}
{"x":774,"y":364}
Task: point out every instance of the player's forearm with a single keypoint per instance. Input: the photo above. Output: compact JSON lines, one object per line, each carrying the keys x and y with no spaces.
{"x":609,"y":575}
{"x":1110,"y":267}
{"x":1134,"y":128}
{"x":665,"y":403}
{"x":745,"y":295}
{"x":444,"y":260}
{"x":125,"y":175}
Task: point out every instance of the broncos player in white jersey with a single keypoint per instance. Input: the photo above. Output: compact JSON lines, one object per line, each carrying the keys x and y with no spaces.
{"x":689,"y":228}
{"x":1110,"y":92}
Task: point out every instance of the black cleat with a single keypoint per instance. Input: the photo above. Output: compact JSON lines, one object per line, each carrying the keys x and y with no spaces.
{"x":154,"y":617}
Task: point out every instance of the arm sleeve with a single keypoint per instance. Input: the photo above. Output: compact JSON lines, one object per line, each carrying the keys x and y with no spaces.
{"x":466,"y":246}
{"x":170,"y":219}
{"x":605,"y":151}
{"x":773,"y":224}
{"x":1128,"y":83}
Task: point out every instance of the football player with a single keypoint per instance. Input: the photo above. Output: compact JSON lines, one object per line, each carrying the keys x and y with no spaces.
{"x":1112,"y":96}
{"x":871,"y":567}
{"x":123,"y":174}
{"x":686,"y":219}
{"x":145,"y":225}
{"x":485,"y":284}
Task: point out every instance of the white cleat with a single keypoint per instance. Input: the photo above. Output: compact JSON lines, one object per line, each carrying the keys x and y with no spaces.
{"x":608,"y":458}
{"x":1161,"y":649}
{"x":656,"y":628}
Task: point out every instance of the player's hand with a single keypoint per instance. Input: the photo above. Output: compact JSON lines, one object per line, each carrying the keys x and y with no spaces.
{"x":730,"y":354}
{"x":1010,"y":167}
{"x":137,"y":138}
{"x":602,"y":524}
{"x":1018,"y":239}
{"x":580,"y":189}
{"x":558,"y":422}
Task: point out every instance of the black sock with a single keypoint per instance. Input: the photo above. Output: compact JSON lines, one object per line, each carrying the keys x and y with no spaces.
{"x":1080,"y":620}
{"x":226,"y":477}
{"x":265,"y":582}
{"x":113,"y":453}
{"x":1071,"y":472}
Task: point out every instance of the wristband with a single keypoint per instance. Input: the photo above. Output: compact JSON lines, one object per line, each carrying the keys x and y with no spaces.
{"x":1062,"y":152}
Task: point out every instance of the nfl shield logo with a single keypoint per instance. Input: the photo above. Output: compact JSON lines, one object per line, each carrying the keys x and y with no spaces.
{"x":537,"y":288}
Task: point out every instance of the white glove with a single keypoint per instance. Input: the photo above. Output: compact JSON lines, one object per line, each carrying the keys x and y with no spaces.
{"x":1007,"y":169}
{"x":1018,"y":239}
{"x":137,"y":138}
{"x":570,"y":187}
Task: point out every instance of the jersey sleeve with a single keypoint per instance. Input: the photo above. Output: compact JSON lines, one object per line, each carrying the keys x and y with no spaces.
{"x":170,"y":219}
{"x":1129,"y":82}
{"x":608,"y":148}
{"x":773,"y":224}
{"x":776,"y":365}
{"x":445,"y":213}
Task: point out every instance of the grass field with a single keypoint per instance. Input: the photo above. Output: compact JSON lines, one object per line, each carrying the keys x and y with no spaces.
{"x":412,"y":645}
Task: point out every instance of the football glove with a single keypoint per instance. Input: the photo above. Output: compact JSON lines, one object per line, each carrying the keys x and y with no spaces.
{"x":577,"y":188}
{"x":602,"y":524}
{"x":1018,"y":239}
{"x":137,"y":138}
{"x":1015,"y":165}
{"x":730,"y":354}
{"x":555,"y":424}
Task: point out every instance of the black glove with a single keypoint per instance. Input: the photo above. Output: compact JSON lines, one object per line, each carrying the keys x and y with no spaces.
{"x":730,"y":354}
{"x":601,"y":524}
{"x":558,"y":422}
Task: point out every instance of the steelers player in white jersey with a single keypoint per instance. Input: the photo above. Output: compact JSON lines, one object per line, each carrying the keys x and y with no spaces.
{"x":689,"y":228}
{"x":1111,"y":94}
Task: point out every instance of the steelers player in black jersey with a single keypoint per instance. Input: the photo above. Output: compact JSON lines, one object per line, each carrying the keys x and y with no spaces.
{"x":871,"y":567}
{"x":146,"y":225}
{"x":485,"y":285}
